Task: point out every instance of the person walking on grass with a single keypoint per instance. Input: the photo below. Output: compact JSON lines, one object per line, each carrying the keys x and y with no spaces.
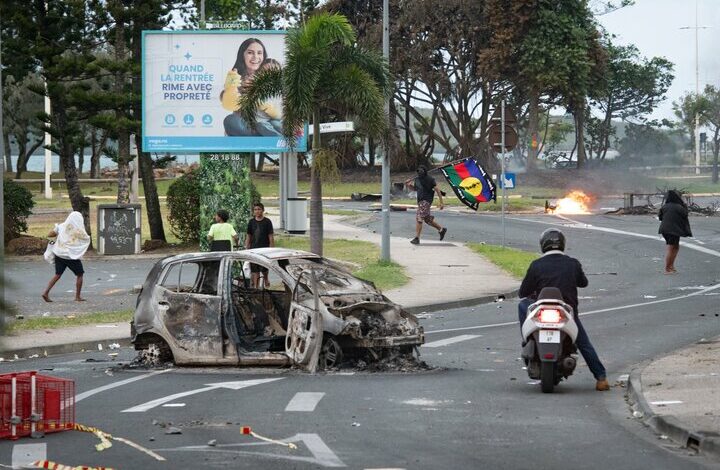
{"x":674,"y":224}
{"x":426,"y":188}
{"x":70,"y":245}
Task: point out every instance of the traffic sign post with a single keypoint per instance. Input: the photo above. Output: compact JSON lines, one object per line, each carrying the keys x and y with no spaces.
{"x":502,"y":137}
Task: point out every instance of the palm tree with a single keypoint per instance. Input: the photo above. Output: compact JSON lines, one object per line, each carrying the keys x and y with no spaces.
{"x":324,"y":69}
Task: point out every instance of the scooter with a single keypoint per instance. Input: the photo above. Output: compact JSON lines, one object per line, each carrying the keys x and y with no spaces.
{"x":549,"y":333}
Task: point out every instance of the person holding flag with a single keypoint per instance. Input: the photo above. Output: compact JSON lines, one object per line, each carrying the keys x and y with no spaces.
{"x":426,"y":188}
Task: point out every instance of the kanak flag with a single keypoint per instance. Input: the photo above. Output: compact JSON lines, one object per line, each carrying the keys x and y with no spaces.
{"x":472,"y":185}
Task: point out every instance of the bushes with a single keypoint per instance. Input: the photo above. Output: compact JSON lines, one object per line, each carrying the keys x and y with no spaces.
{"x":183,"y":201}
{"x":194,"y":198}
{"x":18,"y":206}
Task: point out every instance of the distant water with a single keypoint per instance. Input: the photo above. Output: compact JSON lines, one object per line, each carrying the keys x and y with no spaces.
{"x":37,"y":162}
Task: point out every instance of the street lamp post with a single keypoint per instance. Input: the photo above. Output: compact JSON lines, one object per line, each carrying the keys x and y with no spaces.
{"x":385,"y":246}
{"x":697,"y":87}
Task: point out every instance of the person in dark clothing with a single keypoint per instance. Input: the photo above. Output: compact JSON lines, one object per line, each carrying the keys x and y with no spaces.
{"x":555,"y":269}
{"x":426,"y":188}
{"x":674,"y":224}
{"x":259,"y":235}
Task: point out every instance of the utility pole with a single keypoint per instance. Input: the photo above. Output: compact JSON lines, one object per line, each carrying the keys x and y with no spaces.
{"x":2,"y":192}
{"x":2,"y":199}
{"x":385,"y":246}
{"x":697,"y":87}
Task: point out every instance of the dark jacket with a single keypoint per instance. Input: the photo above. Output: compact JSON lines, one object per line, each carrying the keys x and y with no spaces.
{"x":674,"y":220}
{"x":554,"y":269}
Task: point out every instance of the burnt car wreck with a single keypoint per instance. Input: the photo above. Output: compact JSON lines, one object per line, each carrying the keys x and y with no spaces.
{"x":201,"y":309}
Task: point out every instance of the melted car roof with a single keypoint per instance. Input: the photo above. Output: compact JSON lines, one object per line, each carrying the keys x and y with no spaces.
{"x":269,"y":253}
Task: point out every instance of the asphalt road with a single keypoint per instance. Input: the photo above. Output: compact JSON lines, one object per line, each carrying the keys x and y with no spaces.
{"x":475,"y":409}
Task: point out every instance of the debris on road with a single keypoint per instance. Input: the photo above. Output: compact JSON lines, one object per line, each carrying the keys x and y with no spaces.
{"x":173,"y":430}
{"x":247,"y":430}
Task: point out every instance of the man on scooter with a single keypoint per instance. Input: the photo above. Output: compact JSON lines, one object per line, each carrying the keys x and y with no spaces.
{"x":556,"y":269}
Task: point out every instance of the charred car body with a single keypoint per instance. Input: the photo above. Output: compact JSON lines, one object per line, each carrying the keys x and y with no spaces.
{"x":201,"y":309}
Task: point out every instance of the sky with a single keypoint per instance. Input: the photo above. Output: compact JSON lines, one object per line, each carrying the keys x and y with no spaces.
{"x":654,"y":27}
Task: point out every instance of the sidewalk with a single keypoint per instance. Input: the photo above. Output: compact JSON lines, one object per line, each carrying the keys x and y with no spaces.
{"x":442,"y":275}
{"x":678,"y":396}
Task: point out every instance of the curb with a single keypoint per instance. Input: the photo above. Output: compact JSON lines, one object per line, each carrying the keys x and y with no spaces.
{"x":669,"y":425}
{"x":460,"y":303}
{"x":65,"y":348}
{"x":92,"y":345}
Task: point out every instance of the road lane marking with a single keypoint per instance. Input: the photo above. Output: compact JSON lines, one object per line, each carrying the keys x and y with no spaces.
{"x":23,"y":455}
{"x":304,"y":401}
{"x":582,"y":225}
{"x":321,"y":454}
{"x":120,"y":383}
{"x":592,"y":312}
{"x":666,"y":402}
{"x":447,"y":341}
{"x":231,"y":385}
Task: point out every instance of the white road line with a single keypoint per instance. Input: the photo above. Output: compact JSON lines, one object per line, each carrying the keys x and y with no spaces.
{"x":592,"y":312}
{"x":304,"y":401}
{"x":582,"y":225}
{"x":236,"y":385}
{"x":321,"y":454}
{"x":23,"y":455}
{"x":453,"y":340}
{"x":120,"y":383}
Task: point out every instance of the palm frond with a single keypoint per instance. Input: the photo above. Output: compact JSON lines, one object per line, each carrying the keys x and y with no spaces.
{"x":325,"y":29}
{"x":371,"y":62}
{"x":265,"y":84}
{"x":303,"y":70}
{"x":356,"y":90}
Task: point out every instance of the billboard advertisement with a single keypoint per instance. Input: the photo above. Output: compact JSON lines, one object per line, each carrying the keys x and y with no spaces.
{"x":191,"y":84}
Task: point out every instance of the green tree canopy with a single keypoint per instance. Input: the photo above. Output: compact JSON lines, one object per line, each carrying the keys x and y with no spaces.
{"x":324,"y":67}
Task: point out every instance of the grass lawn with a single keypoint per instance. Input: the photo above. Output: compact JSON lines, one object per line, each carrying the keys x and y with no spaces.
{"x":691,"y":185}
{"x":365,"y":255}
{"x":41,"y":323}
{"x":512,"y":261}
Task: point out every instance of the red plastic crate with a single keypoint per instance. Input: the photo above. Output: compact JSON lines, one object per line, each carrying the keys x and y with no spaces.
{"x":32,"y":404}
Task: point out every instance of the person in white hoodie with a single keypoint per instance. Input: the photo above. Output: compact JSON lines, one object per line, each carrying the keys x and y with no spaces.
{"x":70,"y":245}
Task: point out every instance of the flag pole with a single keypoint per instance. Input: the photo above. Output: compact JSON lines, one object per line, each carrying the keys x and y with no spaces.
{"x":439,"y":168}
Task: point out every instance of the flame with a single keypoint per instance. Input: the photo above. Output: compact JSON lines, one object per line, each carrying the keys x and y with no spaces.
{"x":576,"y":202}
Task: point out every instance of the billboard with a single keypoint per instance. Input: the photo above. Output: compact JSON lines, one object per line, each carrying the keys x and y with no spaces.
{"x":191,"y":83}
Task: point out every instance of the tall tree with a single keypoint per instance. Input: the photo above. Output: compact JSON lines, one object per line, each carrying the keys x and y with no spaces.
{"x":710,"y":116}
{"x":440,"y":53}
{"x":323,"y":67}
{"x":21,"y":108}
{"x":686,"y":109}
{"x":631,"y":88}
{"x":149,"y":15}
{"x":561,"y":53}
{"x":59,"y":38}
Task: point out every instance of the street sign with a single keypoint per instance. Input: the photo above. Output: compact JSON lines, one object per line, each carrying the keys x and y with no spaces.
{"x":495,"y":137}
{"x":508,"y":182}
{"x":497,"y":116}
{"x":331,"y":127}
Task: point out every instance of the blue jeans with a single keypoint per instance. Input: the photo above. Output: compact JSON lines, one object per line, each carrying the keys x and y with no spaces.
{"x":582,"y":342}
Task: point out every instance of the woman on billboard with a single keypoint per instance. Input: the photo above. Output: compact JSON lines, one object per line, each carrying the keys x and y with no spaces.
{"x":251,"y":57}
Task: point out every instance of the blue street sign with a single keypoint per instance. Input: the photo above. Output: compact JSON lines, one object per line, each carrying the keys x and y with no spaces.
{"x":508,"y":182}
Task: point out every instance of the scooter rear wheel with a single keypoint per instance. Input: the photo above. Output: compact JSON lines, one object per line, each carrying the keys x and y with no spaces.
{"x":547,"y":376}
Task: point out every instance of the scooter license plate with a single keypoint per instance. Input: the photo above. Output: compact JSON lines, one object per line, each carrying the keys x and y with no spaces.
{"x":549,"y":336}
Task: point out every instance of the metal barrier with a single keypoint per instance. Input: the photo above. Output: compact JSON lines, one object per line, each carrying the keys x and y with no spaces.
{"x":32,"y":405}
